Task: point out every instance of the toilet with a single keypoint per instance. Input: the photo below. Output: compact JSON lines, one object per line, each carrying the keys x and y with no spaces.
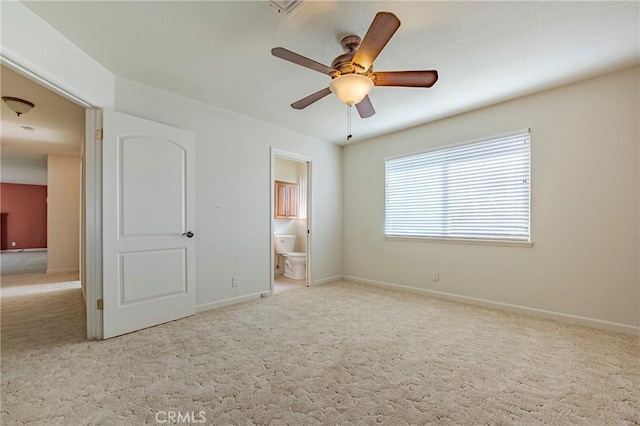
{"x":295,"y":263}
{"x":295,"y":266}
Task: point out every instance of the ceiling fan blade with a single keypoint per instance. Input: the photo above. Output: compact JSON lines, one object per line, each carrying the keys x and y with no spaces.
{"x":406,"y":78}
{"x":287,"y":55}
{"x":382,"y":28}
{"x":365,"y":108}
{"x":305,"y":102}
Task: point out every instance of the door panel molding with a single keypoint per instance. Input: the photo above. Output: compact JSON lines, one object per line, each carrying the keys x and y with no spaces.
{"x":154,"y":170}
{"x":170,"y":276}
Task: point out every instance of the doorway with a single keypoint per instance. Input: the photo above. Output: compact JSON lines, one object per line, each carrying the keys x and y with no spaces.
{"x":41,"y":204}
{"x":291,"y":217}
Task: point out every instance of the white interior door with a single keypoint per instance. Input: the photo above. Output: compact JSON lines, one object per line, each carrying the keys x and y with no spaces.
{"x":148,"y":212}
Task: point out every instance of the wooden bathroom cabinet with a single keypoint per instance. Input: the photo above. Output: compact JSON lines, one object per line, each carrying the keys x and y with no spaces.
{"x":287,"y":200}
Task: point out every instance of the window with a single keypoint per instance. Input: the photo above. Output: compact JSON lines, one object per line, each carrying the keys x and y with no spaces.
{"x":475,"y":191}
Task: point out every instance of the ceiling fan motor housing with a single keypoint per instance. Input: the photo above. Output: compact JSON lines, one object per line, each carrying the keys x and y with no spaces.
{"x":343,"y":63}
{"x":350,"y":43}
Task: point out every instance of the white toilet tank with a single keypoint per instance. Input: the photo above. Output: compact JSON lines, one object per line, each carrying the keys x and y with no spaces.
{"x":285,"y":243}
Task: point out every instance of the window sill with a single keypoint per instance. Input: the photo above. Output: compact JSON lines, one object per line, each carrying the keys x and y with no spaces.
{"x":461,"y":241}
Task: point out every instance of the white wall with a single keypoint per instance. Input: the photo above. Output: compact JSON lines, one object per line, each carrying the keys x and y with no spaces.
{"x":25,"y":169}
{"x":234,"y":189}
{"x":63,"y":214}
{"x":585,"y":204}
{"x":288,"y":170}
{"x":30,"y":42}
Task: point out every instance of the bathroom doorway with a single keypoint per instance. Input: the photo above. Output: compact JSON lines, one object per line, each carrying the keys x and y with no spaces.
{"x":290,"y":221}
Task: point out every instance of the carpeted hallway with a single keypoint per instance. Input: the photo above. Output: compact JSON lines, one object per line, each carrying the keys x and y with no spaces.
{"x":339,"y":353}
{"x":23,"y":262}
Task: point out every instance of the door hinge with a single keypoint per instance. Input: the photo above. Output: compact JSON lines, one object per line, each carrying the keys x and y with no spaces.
{"x":100,"y":305}
{"x":99,"y":134}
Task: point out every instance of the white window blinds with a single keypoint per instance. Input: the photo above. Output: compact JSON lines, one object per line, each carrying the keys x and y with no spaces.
{"x":475,"y":191}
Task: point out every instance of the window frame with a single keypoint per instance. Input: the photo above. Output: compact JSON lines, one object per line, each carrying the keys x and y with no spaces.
{"x":461,"y":240}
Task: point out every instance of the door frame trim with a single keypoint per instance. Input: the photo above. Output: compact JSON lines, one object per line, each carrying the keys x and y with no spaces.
{"x":92,"y":184}
{"x":288,"y":155}
{"x":12,"y":62}
{"x":91,"y":211}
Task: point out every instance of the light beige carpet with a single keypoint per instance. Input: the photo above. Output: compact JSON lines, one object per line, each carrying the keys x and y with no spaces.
{"x":334,"y":354}
{"x":23,"y":262}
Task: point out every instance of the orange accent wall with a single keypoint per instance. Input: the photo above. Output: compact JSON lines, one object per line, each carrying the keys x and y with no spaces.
{"x":24,"y":216}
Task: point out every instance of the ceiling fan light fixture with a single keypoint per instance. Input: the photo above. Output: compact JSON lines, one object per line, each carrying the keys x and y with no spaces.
{"x":17,"y":105}
{"x":352,"y":72}
{"x":351,"y":88}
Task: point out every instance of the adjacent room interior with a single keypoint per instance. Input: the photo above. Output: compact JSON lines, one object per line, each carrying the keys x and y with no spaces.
{"x":470,"y":251}
{"x":290,"y":224}
{"x":40,"y":199}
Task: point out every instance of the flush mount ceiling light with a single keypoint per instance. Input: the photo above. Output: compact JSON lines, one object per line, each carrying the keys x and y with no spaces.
{"x":17,"y":105}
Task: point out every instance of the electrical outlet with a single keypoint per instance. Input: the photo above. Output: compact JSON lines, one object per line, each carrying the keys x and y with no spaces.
{"x":436,"y":277}
{"x":13,"y":243}
{"x":234,"y":282}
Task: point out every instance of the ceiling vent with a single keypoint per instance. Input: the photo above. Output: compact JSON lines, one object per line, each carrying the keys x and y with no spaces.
{"x":286,"y":8}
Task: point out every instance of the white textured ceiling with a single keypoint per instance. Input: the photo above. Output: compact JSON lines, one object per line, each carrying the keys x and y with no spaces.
{"x":54,"y":126}
{"x":219,"y":52}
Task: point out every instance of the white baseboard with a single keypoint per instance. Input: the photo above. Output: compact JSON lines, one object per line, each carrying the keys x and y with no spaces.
{"x":327,"y":280}
{"x":22,"y":250}
{"x":539,"y":313}
{"x":61,"y":270}
{"x":231,"y":301}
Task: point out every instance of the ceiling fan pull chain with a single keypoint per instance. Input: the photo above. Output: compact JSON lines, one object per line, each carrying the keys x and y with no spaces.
{"x":349,"y":135}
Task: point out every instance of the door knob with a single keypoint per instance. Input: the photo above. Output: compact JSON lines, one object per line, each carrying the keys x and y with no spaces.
{"x":188,"y":234}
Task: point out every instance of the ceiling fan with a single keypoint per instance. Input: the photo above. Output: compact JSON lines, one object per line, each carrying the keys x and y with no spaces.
{"x":352,"y":72}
